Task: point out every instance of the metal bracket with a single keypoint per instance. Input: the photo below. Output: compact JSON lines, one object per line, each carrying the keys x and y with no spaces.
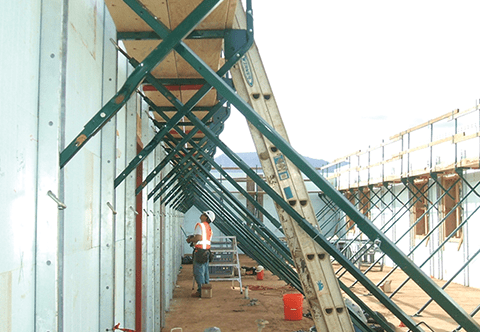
{"x":111,"y":207}
{"x":134,"y":211}
{"x":61,"y":205}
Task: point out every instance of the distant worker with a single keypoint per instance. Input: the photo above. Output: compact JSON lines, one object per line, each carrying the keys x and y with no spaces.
{"x":201,"y":239}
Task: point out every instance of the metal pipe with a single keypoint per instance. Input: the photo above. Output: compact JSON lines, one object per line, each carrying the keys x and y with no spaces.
{"x":60,"y":205}
{"x":448,"y":282}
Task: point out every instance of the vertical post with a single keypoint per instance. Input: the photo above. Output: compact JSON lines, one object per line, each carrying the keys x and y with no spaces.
{"x":157,"y":257}
{"x":49,"y":226}
{"x":138,"y":246}
{"x":130,"y":152}
{"x":107,"y":193}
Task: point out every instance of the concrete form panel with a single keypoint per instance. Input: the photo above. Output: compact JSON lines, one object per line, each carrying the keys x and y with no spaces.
{"x":51,"y":94}
{"x":168,"y":274}
{"x":121,"y":120}
{"x":148,"y":233}
{"x":83,"y":174}
{"x":159,"y":321}
{"x":84,"y":263}
{"x":130,"y":203}
{"x":18,"y":161}
{"x":107,"y":194}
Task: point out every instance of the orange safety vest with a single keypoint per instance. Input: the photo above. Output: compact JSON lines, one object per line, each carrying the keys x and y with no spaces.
{"x":206,"y":236}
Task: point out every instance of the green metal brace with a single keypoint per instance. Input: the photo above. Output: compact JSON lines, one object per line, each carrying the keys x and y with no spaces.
{"x":361,"y":303}
{"x":387,"y":246}
{"x":280,"y":269}
{"x":150,"y":62}
{"x":410,"y":228}
{"x":209,"y":159}
{"x":233,"y":182}
{"x":167,"y":177}
{"x":310,"y":230}
{"x":266,"y":232}
{"x":196,"y":63}
{"x":185,"y":140}
{"x":365,"y":244}
{"x":152,"y":35}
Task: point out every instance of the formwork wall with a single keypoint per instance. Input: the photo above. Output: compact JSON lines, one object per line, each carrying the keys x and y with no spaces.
{"x":390,"y":201}
{"x":392,"y":211}
{"x":75,"y":267}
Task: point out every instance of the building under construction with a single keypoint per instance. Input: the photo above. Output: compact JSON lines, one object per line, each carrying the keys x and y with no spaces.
{"x":109,"y":153}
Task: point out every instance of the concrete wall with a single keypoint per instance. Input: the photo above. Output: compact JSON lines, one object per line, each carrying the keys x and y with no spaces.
{"x":74,"y":267}
{"x":18,"y":163}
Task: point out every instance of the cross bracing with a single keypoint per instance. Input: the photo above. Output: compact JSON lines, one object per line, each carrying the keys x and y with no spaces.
{"x":365,"y":202}
{"x":187,"y":184}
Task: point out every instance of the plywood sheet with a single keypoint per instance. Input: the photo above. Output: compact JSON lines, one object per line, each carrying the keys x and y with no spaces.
{"x":171,"y":13}
{"x":220,"y":18}
{"x":140,"y":49}
{"x":209,"y":50}
{"x":174,"y":66}
{"x":159,"y":100}
{"x":126,"y":20}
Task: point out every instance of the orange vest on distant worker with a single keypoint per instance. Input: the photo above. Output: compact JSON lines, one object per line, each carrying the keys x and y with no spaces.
{"x":206,"y":240}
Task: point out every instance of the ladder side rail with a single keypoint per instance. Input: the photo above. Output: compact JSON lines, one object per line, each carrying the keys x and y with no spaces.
{"x":327,"y":304}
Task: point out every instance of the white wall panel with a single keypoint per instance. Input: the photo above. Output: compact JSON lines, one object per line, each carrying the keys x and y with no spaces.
{"x":148,"y":232}
{"x":121,"y":119}
{"x":108,"y":173}
{"x":130,"y":201}
{"x":76,"y":267}
{"x":84,"y":82}
{"x":18,"y":151}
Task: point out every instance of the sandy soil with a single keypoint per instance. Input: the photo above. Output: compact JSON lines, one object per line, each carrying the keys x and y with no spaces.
{"x":230,"y":311}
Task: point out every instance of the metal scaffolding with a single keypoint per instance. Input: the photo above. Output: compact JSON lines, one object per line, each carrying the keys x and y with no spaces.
{"x":366,"y":198}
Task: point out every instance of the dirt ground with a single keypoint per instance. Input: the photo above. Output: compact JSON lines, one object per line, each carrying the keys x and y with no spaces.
{"x":230,"y":311}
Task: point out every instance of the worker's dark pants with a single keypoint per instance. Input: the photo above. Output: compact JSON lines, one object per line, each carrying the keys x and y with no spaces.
{"x":201,"y":273}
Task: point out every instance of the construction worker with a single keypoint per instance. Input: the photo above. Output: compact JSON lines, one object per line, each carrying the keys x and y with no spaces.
{"x":202,"y":238}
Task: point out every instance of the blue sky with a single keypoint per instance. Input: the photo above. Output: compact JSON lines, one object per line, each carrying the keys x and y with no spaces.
{"x":347,"y":74}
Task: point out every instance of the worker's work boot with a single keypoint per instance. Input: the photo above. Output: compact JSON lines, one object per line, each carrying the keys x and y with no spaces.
{"x":196,"y":294}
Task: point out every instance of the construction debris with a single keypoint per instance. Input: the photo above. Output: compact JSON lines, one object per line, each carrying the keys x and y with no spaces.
{"x":261,"y":323}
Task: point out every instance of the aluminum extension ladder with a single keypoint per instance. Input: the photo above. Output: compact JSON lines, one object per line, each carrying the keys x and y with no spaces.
{"x":313,"y":264}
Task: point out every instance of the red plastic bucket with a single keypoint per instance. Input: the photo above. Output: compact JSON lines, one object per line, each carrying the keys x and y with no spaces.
{"x":293,"y":306}
{"x":260,"y":275}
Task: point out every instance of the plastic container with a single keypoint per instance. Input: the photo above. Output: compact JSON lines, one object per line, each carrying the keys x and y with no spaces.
{"x":260,"y":275}
{"x":259,"y":271}
{"x":293,"y":306}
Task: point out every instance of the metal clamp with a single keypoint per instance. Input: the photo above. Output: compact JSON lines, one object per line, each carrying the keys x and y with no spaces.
{"x":134,"y":211}
{"x":146,"y":212}
{"x":111,"y":207}
{"x":61,"y":206}
{"x":152,"y":213}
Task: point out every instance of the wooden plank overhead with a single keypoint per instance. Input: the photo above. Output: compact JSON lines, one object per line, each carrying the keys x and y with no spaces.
{"x":171,"y":13}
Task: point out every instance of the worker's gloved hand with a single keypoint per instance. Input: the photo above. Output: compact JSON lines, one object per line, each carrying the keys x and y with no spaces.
{"x":189,"y":238}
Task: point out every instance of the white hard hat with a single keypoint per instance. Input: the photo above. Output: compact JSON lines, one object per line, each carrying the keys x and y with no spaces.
{"x":210,"y":215}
